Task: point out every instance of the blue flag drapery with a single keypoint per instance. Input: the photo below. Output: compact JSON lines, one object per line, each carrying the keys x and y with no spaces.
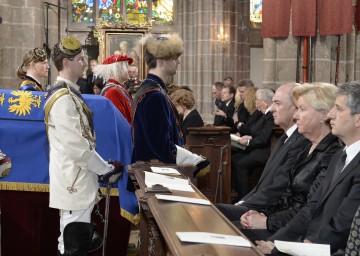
{"x":23,"y":139}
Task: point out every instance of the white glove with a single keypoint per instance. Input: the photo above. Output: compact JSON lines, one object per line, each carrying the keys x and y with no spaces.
{"x":184,"y":156}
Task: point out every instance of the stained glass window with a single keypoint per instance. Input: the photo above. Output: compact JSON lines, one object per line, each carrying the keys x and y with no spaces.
{"x":136,"y":11}
{"x":82,"y":11}
{"x":110,"y":10}
{"x":256,"y":10}
{"x":163,"y":11}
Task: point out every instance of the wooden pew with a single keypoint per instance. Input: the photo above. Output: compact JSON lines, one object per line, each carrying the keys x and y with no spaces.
{"x":213,"y":142}
{"x":160,"y":220}
{"x":208,"y":141}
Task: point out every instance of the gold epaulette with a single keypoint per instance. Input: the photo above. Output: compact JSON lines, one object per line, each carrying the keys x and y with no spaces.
{"x":49,"y":103}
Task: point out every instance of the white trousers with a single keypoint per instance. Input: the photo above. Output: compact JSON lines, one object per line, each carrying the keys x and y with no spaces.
{"x":67,"y":217}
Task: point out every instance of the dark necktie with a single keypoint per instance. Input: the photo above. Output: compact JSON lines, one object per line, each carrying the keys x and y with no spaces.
{"x":280,"y":142}
{"x":339,"y":165}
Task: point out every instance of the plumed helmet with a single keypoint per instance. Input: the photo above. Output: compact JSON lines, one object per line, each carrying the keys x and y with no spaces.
{"x":5,"y":165}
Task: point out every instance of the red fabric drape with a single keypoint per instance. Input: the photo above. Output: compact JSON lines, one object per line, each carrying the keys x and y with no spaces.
{"x":276,"y":18}
{"x":335,"y":18}
{"x":303,"y":17}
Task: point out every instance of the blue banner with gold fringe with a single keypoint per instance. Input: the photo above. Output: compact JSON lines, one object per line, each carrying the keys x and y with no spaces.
{"x":23,"y":139}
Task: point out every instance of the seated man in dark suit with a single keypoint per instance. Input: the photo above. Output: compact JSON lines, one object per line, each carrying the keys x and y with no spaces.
{"x":256,"y":138}
{"x":216,"y":93}
{"x":274,"y":179}
{"x":242,"y":113}
{"x":225,"y":111}
{"x":327,"y":217}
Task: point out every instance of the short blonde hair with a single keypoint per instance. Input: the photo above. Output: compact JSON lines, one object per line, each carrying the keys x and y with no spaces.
{"x":183,"y":97}
{"x":320,"y":96}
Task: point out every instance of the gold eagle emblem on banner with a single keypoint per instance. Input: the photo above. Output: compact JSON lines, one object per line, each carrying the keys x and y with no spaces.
{"x":24,"y":102}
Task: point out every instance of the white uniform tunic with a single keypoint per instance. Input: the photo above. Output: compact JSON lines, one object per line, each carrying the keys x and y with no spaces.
{"x":74,"y":164}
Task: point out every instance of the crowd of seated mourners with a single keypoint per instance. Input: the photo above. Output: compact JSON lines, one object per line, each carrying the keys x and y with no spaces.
{"x":319,"y":201}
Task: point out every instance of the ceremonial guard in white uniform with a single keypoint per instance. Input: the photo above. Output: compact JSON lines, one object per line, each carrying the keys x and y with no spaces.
{"x":75,"y":166}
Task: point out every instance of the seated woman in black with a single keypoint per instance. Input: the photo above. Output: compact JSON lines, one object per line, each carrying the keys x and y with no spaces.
{"x":184,"y":102}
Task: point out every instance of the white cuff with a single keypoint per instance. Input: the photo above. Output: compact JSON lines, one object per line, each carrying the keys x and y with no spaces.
{"x":239,"y":203}
{"x":184,"y":156}
{"x":97,"y":165}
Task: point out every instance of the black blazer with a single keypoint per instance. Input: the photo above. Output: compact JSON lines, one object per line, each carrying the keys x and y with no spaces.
{"x":193,"y":119}
{"x":260,"y":131}
{"x":243,"y":116}
{"x":229,"y":111}
{"x":242,"y":113}
{"x":327,"y":217}
{"x":274,"y":178}
{"x":245,"y":129}
{"x":305,"y":172}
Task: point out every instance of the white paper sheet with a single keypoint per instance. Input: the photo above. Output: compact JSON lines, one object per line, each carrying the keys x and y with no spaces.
{"x":212,"y":238}
{"x":303,"y":249}
{"x":171,"y":183}
{"x":183,"y":199}
{"x":165,"y":170}
{"x":234,"y":137}
{"x":234,"y":142}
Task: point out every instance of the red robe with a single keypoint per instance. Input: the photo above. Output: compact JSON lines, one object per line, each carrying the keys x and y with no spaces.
{"x":118,"y":95}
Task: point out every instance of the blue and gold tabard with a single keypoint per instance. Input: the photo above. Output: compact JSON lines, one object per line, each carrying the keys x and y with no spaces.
{"x":23,"y":139}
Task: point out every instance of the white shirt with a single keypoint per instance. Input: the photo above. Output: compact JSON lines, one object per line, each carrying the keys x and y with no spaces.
{"x":290,"y":131}
{"x":351,"y":152}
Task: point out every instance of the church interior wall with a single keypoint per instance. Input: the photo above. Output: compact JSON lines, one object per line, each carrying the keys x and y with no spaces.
{"x":270,"y":62}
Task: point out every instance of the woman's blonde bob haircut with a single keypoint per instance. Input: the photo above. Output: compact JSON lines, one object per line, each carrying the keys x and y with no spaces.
{"x":320,"y":96}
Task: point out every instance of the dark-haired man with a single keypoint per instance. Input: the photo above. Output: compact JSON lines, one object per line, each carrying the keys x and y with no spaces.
{"x":216,"y":93}
{"x":225,"y":111}
{"x":75,"y":167}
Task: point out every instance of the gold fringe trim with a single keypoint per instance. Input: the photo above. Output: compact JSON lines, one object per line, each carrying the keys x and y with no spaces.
{"x":113,"y":191}
{"x":21,"y":186}
{"x":135,"y":219}
{"x":35,"y":187}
